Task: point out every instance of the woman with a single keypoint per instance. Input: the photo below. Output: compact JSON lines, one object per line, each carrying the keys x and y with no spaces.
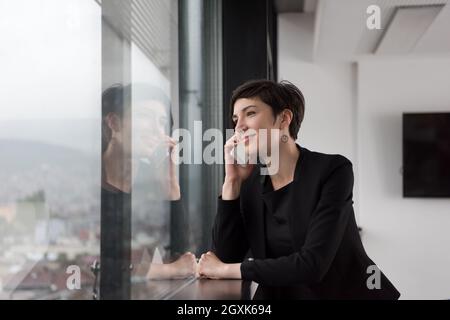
{"x":136,"y":157}
{"x":292,"y":231}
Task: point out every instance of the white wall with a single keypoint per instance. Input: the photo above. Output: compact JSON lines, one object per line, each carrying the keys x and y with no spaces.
{"x":329,"y":115}
{"x":357,"y":113}
{"x":329,"y":90}
{"x":409,"y":238}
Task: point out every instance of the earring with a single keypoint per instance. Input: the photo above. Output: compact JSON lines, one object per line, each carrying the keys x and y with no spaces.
{"x":284,"y":138}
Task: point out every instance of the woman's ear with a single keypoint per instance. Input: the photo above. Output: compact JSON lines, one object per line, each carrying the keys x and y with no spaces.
{"x":113,"y":122}
{"x":286,"y":118}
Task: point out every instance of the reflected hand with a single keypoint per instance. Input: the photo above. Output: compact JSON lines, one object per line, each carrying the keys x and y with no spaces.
{"x":184,"y":267}
{"x":172,"y":185}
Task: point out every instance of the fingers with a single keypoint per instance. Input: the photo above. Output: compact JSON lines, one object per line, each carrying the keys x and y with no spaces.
{"x":234,"y":139}
{"x":207,"y":265}
{"x":230,"y":144}
{"x":169,"y":141}
{"x":206,"y":255}
{"x":202,"y":266}
{"x":189,"y":255}
{"x":168,"y":145}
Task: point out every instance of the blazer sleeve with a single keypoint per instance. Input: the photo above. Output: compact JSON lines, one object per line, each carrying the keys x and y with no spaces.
{"x":229,"y":241}
{"x":323,"y":237}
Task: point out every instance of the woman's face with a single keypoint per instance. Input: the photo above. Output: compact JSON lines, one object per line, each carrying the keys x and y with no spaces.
{"x":150,"y":125}
{"x":250,"y":115}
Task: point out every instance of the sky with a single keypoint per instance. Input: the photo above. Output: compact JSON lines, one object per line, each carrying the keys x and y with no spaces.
{"x":51,"y":72}
{"x":50,"y":59}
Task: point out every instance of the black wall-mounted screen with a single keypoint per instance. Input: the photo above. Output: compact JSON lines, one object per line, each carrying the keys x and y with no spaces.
{"x":426,"y":154}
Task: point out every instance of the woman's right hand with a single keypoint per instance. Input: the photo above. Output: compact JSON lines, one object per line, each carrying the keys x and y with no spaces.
{"x":235,"y":174}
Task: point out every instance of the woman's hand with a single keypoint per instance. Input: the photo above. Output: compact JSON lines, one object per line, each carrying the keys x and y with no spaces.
{"x":235,"y":174}
{"x":210,"y":266}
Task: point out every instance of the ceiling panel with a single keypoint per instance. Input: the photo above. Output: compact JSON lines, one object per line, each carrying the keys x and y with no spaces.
{"x":341,"y":33}
{"x":437,"y":37}
{"x":406,"y":28}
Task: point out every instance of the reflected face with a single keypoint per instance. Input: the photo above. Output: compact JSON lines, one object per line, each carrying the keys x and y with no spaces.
{"x":249,"y":116}
{"x":146,"y":127}
{"x":150,"y":123}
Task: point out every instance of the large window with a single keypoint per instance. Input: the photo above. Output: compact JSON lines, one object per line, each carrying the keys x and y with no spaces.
{"x":92,"y":91}
{"x":95,"y":95}
{"x":50,"y":62}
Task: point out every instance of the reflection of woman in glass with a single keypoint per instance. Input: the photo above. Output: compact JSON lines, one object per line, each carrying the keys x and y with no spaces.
{"x":137,"y":157}
{"x":297,"y":222}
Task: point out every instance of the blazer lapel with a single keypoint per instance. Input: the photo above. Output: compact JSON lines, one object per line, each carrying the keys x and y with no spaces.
{"x":300,"y":200}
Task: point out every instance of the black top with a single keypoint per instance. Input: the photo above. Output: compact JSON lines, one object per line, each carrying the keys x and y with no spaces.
{"x":116,"y":236}
{"x":115,"y":201}
{"x":278,"y":241}
{"x":115,"y":243}
{"x":328,"y":260}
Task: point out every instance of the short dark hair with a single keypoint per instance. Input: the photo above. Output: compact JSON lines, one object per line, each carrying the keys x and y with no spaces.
{"x":279,"y":96}
{"x":116,"y":99}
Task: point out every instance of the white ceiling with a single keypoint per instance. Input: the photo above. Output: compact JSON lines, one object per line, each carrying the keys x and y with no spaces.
{"x":407,"y":27}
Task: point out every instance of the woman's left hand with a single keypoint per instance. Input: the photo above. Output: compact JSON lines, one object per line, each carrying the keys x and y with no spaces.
{"x":209,"y":266}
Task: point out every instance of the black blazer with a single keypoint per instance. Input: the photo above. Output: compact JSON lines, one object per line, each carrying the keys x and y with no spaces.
{"x":328,"y":262}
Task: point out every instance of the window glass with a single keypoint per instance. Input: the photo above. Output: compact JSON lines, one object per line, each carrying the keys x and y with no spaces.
{"x":50,"y":58}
